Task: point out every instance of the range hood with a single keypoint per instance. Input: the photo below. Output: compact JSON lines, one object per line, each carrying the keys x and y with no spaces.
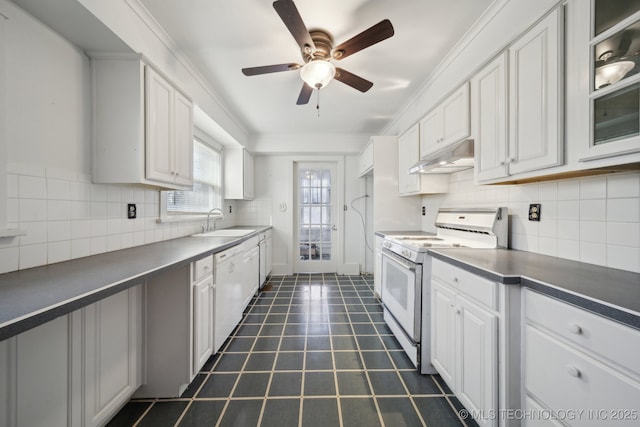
{"x":454,"y":158}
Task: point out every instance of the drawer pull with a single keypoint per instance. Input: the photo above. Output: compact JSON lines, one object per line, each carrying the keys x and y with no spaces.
{"x":573,"y":371}
{"x":575,"y":328}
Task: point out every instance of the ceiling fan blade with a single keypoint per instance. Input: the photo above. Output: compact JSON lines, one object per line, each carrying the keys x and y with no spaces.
{"x":352,"y":80}
{"x":381,"y":31}
{"x":305,"y":94}
{"x":265,"y":69}
{"x":293,"y":21}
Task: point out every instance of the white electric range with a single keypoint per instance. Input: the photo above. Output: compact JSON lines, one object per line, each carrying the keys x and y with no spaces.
{"x":406,"y":272}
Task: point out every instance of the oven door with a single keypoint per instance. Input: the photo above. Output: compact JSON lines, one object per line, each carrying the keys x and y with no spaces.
{"x":402,"y":292}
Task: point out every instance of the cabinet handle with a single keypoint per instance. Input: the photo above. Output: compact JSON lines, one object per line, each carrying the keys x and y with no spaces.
{"x":173,"y":173}
{"x":501,"y":163}
{"x":455,"y":279}
{"x":575,"y":328}
{"x":510,"y":160}
{"x":457,"y":310}
{"x":573,"y":371}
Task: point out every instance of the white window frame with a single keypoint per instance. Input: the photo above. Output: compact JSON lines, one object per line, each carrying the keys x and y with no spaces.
{"x":167,"y":216}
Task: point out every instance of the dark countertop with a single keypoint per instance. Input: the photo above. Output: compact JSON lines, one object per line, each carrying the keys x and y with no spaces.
{"x":609,"y":292}
{"x":31,"y":297}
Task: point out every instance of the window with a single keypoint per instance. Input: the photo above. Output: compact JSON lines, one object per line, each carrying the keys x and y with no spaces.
{"x":207,"y":184}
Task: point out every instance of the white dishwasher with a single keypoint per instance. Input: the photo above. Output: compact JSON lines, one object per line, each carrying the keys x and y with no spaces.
{"x":228,"y":294}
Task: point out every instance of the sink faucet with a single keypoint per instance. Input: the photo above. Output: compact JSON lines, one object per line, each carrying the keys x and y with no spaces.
{"x":219,"y":216}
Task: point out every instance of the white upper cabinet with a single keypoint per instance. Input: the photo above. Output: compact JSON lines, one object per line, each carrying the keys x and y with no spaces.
{"x":489,"y":119}
{"x":143,"y":126}
{"x":365,"y":161}
{"x":238,"y":174}
{"x":535,"y":97}
{"x":518,"y":105}
{"x":614,"y":87}
{"x":447,"y":123}
{"x":408,"y":155}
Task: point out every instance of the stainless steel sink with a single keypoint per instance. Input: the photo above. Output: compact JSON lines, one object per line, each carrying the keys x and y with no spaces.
{"x":224,"y":233}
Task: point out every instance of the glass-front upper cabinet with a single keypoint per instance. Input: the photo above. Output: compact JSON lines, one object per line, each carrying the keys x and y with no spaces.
{"x":615,"y":78}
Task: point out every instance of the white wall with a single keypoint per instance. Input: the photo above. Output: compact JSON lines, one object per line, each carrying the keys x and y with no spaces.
{"x":594,"y":220}
{"x":274,"y":186}
{"x":49,"y":188}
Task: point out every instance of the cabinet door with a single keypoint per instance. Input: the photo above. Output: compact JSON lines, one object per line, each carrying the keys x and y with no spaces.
{"x":183,"y":140}
{"x":477,"y":358}
{"x":202,"y":322}
{"x":535,"y":107}
{"x":431,"y":132}
{"x":408,"y":155}
{"x":489,"y":88}
{"x":443,"y":321}
{"x":248,"y":175}
{"x":455,"y":117}
{"x":112,"y":339}
{"x":159,"y":134}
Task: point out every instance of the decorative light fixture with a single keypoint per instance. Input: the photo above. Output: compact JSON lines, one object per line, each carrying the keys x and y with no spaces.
{"x":612,"y":73}
{"x":612,"y":70}
{"x":317,"y":73}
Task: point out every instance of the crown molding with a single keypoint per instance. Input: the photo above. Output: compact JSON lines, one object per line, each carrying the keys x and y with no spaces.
{"x":469,"y":36}
{"x":145,"y":16}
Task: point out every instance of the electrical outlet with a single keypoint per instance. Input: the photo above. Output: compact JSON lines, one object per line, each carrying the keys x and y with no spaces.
{"x":534,"y":211}
{"x":132,"y":211}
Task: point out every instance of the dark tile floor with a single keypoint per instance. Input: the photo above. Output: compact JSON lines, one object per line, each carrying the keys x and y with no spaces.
{"x":312,"y":350}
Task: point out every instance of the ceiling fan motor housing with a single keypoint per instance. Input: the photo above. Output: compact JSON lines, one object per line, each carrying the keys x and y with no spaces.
{"x":324,"y":44}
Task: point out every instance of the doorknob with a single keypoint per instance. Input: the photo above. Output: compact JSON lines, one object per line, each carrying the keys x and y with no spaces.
{"x":334,"y":228}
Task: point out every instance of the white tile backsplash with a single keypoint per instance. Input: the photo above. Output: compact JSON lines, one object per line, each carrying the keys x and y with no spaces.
{"x":592,"y":219}
{"x":66,"y":217}
{"x":623,"y":185}
{"x":593,"y":188}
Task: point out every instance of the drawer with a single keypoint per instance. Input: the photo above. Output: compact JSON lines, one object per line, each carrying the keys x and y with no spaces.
{"x":479,"y":288}
{"x":563,"y":378}
{"x":595,"y":334}
{"x":533,"y":408}
{"x":202,"y":268}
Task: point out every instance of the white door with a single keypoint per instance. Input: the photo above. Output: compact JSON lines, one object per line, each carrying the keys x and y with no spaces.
{"x":316,"y":216}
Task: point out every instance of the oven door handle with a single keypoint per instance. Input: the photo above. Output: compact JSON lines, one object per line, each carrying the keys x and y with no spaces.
{"x":399,"y":260}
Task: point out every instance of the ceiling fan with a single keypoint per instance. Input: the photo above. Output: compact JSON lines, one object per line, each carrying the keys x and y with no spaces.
{"x":317,"y":52}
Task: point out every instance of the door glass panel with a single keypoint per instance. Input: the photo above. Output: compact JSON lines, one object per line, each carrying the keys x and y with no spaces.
{"x":616,"y":57}
{"x":315,"y":214}
{"x":610,"y":12}
{"x":617,"y":115}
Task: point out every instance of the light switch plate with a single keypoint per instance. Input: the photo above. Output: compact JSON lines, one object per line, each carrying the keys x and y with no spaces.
{"x":132,"y":211}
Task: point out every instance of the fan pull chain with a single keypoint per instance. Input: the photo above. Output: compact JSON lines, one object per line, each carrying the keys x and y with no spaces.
{"x":318,"y":102}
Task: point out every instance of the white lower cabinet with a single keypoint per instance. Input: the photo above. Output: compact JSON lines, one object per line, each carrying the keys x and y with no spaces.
{"x":465,"y":350}
{"x":579,"y":366}
{"x":203,"y":293}
{"x":112,"y":343}
{"x":473,"y":321}
{"x":76,"y":370}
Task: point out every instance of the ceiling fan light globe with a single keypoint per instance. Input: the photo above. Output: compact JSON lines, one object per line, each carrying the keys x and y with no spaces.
{"x":318,"y":73}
